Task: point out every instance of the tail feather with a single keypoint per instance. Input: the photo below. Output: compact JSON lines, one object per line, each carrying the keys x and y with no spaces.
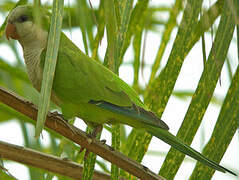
{"x":182,"y":147}
{"x":159,"y":129}
{"x":135,"y":112}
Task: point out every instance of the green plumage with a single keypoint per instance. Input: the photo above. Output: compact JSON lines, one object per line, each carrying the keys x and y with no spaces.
{"x":85,"y":88}
{"x":84,"y":80}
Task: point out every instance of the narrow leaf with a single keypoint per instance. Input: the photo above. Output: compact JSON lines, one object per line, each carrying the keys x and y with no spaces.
{"x":162,"y":92}
{"x":89,"y":163}
{"x":50,"y":64}
{"x":203,"y":93}
{"x":224,"y":130}
{"x":116,"y":145}
{"x":166,"y":35}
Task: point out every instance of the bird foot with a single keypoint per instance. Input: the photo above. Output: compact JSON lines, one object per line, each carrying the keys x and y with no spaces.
{"x":57,"y":114}
{"x":96,"y":130}
{"x":64,"y":121}
{"x":92,"y":135}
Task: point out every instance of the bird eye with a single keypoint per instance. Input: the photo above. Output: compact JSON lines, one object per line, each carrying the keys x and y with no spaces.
{"x":22,"y":18}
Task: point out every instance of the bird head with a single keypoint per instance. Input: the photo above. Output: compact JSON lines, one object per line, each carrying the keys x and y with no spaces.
{"x":19,"y":22}
{"x":21,"y":25}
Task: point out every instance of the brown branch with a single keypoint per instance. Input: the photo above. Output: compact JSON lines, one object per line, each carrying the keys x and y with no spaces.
{"x":78,"y":136}
{"x":48,"y":162}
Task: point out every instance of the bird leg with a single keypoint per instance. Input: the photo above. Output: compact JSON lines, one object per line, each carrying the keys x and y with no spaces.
{"x":96,"y":130}
{"x":95,"y":133}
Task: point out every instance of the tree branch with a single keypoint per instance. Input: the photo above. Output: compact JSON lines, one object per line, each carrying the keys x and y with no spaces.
{"x":78,"y":136}
{"x":48,"y":162}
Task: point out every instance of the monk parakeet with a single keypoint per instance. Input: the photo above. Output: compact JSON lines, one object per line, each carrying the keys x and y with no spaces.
{"x":83,"y":87}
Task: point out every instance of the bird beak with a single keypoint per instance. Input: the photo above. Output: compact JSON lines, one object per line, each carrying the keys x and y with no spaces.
{"x":11,"y":31}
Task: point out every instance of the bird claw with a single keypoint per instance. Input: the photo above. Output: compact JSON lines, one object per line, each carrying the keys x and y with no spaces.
{"x":63,"y":120}
{"x":57,"y":114}
{"x":103,"y":141}
{"x":29,"y":103}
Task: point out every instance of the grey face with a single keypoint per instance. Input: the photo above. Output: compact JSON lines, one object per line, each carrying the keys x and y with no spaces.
{"x":20,"y":25}
{"x":20,"y":14}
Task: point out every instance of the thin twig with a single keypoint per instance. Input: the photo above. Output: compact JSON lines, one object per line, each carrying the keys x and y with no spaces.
{"x":79,"y":137}
{"x":6,"y":171}
{"x":48,"y":162}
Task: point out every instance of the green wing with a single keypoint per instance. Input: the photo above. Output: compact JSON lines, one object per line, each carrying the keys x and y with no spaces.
{"x":86,"y":79}
{"x":80,"y":80}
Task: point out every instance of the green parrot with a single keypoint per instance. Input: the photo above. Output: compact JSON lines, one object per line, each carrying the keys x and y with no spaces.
{"x":83,"y":87}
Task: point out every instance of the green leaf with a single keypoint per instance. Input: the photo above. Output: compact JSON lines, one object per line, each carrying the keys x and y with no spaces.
{"x":224,"y":130}
{"x":226,"y":125}
{"x":188,"y":94}
{"x":171,"y":23}
{"x":84,"y":20}
{"x":100,"y":30}
{"x":50,"y":64}
{"x":176,"y":58}
{"x":204,"y":24}
{"x":111,"y":29}
{"x":89,"y":163}
{"x":138,"y":20}
{"x":139,"y":12}
{"x":116,"y":145}
{"x":203,"y":93}
{"x":159,"y":90}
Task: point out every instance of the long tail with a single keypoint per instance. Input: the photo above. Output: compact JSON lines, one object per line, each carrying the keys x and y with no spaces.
{"x":172,"y":140}
{"x":158,"y":128}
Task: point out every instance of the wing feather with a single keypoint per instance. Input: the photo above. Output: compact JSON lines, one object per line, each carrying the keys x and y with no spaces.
{"x":94,"y":81}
